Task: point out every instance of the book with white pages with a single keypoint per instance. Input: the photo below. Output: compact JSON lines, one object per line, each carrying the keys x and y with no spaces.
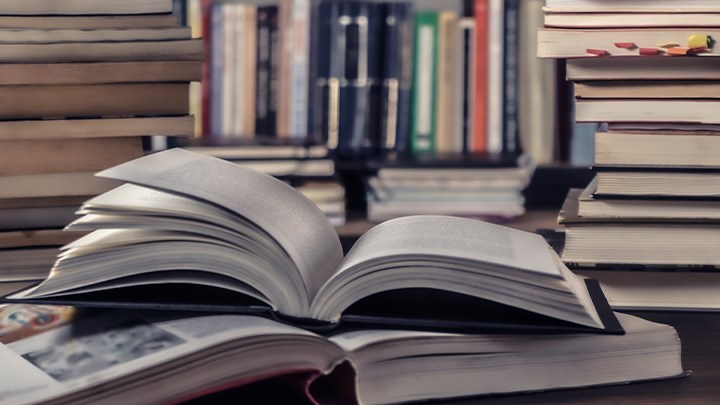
{"x":193,"y":232}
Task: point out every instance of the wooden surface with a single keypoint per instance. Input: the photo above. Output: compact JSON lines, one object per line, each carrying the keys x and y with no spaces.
{"x":699,"y":336}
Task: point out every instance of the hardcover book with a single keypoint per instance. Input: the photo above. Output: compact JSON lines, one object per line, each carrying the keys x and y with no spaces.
{"x":206,"y":234}
{"x":151,"y":357}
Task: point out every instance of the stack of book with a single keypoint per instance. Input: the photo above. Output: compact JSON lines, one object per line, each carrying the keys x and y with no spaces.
{"x":422,"y":307}
{"x":649,"y":73}
{"x":487,"y":186}
{"x":81,"y":83}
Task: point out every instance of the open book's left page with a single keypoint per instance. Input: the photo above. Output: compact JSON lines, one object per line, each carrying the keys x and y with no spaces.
{"x":188,"y":218}
{"x":292,"y":220}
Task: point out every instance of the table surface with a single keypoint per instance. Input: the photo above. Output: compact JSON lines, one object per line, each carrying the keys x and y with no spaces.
{"x":699,"y":335}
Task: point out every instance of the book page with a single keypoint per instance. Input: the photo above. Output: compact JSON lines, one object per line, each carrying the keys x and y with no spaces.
{"x":456,"y":238}
{"x":292,"y":220}
{"x":118,"y":350}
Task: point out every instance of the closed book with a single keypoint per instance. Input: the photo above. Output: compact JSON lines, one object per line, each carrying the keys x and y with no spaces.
{"x":353,"y":70}
{"x":396,"y":76}
{"x":424,"y":118}
{"x":511,"y":77}
{"x":184,"y":49}
{"x":266,"y":71}
{"x":94,"y":100}
{"x":84,"y":7}
{"x":99,"y":72}
{"x":164,"y":20}
{"x":447,"y":85}
{"x":684,"y":111}
{"x":21,"y":157}
{"x":294,"y":30}
{"x":480,"y":100}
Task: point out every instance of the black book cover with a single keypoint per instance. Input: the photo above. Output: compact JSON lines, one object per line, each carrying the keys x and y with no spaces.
{"x":417,"y":309}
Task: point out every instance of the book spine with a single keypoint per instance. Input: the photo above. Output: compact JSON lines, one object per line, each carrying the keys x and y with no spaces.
{"x":359,"y":80}
{"x":326,"y":84}
{"x":466,"y":67}
{"x":495,"y":65}
{"x":248,"y":50}
{"x":295,"y":32}
{"x":266,"y":71}
{"x":313,"y":96}
{"x":511,"y":79}
{"x":207,"y":29}
{"x":425,"y":76}
{"x":396,"y":76}
{"x":480,"y":99}
{"x":447,"y":85}
{"x":217,"y":68}
{"x":227,"y":89}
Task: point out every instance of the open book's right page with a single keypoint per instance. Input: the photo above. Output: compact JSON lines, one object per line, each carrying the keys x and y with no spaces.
{"x":521,"y":258}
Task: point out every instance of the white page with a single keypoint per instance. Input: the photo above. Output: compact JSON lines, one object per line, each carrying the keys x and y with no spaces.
{"x":293,"y":220}
{"x":49,"y":365}
{"x":459,"y":238}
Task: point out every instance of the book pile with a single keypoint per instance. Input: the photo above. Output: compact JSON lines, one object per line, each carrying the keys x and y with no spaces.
{"x":649,"y":71}
{"x":421,"y":307}
{"x":81,"y":82}
{"x":488,"y":187}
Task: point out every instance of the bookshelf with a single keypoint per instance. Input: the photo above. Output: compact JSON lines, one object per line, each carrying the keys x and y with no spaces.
{"x":517,"y":118}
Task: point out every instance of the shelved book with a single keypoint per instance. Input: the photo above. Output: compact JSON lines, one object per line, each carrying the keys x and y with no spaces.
{"x":151,"y":357}
{"x":247,"y":242}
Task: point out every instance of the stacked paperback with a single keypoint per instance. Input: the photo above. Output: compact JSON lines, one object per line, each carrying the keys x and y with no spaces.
{"x":81,"y":83}
{"x":489,"y":188}
{"x":650,"y":74}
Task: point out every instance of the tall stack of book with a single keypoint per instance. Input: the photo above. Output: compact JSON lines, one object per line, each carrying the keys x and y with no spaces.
{"x":648,"y":70}
{"x":81,"y":82}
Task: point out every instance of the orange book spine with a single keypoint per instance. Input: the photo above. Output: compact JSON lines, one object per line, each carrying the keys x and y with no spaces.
{"x":479,"y":135}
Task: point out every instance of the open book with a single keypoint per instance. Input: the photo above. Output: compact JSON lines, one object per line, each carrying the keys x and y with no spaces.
{"x":248,"y":243}
{"x":150,"y":357}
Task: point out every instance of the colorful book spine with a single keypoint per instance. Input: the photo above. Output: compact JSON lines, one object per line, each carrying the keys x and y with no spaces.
{"x":424,"y":78}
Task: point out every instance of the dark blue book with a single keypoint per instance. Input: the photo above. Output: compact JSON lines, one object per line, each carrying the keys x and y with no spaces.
{"x":396,"y":76}
{"x":266,"y":71}
{"x":349,"y":74}
{"x":511,"y":76}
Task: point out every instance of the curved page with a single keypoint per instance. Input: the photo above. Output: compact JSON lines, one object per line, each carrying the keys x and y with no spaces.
{"x":290,"y":218}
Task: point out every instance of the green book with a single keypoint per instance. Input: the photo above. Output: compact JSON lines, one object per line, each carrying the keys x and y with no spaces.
{"x":422,"y":135}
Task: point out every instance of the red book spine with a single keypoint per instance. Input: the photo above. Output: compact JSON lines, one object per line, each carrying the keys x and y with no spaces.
{"x":480,"y":99}
{"x":206,"y":84}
